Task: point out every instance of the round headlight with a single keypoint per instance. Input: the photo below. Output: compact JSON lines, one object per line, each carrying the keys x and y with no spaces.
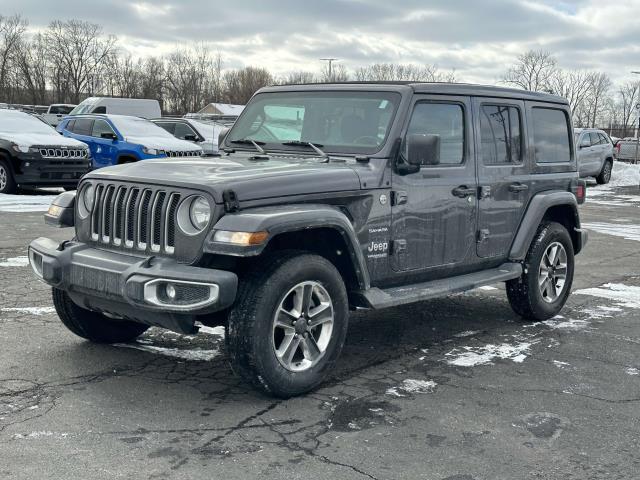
{"x":88,"y":197}
{"x":199,"y":213}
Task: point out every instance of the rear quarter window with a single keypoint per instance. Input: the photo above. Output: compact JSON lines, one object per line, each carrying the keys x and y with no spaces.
{"x":551,"y":135}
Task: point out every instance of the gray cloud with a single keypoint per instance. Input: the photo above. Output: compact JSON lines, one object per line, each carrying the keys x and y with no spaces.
{"x":477,"y":38}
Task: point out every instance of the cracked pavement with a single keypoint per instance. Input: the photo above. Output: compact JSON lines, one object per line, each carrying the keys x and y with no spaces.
{"x":452,"y":389}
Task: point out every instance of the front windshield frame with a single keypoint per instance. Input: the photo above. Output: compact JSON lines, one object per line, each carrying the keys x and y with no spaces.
{"x":391,"y":98}
{"x":85,"y":106}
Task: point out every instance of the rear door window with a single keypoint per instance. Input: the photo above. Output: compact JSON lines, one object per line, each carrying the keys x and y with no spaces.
{"x":595,"y":139}
{"x":83,"y":126}
{"x":500,"y":134}
{"x":551,"y":135}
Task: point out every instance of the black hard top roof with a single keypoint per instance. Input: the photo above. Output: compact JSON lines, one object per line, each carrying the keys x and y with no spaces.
{"x":439,"y":88}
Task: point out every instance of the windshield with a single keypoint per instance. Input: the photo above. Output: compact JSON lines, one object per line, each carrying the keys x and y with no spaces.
{"x":18,"y":122}
{"x":207,"y":129}
{"x":84,"y":107}
{"x":60,"y":109}
{"x":138,"y":127}
{"x":341,"y":122}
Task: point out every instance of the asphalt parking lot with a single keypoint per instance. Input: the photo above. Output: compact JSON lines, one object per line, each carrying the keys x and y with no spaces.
{"x":455,"y":389}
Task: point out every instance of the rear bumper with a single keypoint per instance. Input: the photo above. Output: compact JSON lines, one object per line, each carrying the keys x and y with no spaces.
{"x":582,"y":237}
{"x":133,"y":287}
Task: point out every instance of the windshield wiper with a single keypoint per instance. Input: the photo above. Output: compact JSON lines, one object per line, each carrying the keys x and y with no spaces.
{"x":301,"y":143}
{"x":248,"y":141}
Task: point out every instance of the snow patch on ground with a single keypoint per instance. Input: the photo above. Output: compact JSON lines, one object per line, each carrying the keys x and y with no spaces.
{"x":628,"y":232}
{"x":625,"y":175}
{"x":561,"y":323}
{"x":194,"y":355}
{"x":467,"y":333}
{"x":632,"y":371}
{"x":600,"y":311}
{"x":410,"y":386}
{"x":21,"y":261}
{"x":560,"y":364}
{"x":218,"y":331}
{"x":485,"y":355}
{"x":40,"y":434}
{"x":25,"y":203}
{"x":624,"y":295}
{"x":30,"y":310}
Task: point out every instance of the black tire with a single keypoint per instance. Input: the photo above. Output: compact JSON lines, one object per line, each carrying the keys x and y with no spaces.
{"x":524,"y":293}
{"x":605,"y":175}
{"x":250,"y":334}
{"x":7,"y":182}
{"x":94,"y":326}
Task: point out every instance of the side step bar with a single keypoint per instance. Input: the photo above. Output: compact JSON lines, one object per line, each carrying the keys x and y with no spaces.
{"x":377,"y":298}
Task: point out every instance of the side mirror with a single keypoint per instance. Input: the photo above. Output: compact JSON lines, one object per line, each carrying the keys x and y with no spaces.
{"x":221,"y":135}
{"x":190,"y":138}
{"x":423,"y":149}
{"x":109,"y":136}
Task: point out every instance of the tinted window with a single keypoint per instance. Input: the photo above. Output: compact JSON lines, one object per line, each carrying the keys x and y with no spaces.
{"x":70,"y":125}
{"x":83,"y":126}
{"x":101,"y":109}
{"x":60,"y":109}
{"x":183,"y":129}
{"x":445,"y":120}
{"x":551,"y":136}
{"x":100,"y":127}
{"x":501,"y":134}
{"x":168,"y":126}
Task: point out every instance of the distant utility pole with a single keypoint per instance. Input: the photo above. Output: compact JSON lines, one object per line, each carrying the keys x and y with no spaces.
{"x":637,"y":125}
{"x":330,"y":60}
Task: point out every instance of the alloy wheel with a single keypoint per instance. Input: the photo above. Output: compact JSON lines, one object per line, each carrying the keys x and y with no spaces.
{"x":302,"y":326}
{"x":552,"y":274}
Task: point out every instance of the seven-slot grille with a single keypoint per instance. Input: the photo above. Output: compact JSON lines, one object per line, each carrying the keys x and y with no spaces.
{"x":179,"y":153}
{"x":63,"y":152}
{"x":136,"y":218}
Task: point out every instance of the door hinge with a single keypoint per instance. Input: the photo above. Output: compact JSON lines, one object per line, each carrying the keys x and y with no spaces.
{"x":230,"y":200}
{"x":398,"y":246}
{"x":398,"y":197}
{"x":483,"y":235}
{"x":485,"y":191}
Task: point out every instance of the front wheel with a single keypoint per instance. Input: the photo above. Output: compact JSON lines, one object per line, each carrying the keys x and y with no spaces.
{"x":543,"y":289}
{"x":94,"y":326}
{"x":289,"y":323}
{"x":7,"y":182}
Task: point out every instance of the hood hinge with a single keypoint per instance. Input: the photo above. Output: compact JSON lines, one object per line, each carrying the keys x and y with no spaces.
{"x":230,"y":200}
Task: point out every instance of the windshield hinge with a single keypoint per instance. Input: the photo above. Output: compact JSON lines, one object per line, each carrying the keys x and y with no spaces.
{"x":230,"y":200}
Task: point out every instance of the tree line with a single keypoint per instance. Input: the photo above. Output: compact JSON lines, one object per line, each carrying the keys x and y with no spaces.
{"x":71,"y":60}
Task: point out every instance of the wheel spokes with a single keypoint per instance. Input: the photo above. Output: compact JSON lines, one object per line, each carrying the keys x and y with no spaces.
{"x":310,"y":348}
{"x":288,"y":348}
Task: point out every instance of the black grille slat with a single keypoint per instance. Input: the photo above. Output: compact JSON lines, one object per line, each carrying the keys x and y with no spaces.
{"x":135,"y":218}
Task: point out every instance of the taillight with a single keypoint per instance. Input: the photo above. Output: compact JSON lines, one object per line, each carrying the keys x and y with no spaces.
{"x":579,"y":189}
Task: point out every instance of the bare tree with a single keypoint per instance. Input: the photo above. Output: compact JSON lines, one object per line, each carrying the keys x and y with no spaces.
{"x":599,"y":86}
{"x":574,"y":86}
{"x":629,"y":98}
{"x":389,"y":72}
{"x":533,"y":71}
{"x":335,"y":74}
{"x":32,"y":65}
{"x":79,"y":50}
{"x":297,"y":78}
{"x":240,"y":85}
{"x":12,"y":30}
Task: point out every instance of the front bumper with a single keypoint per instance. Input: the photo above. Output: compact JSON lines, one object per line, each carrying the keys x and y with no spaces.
{"x":133,"y":287}
{"x":32,"y":169}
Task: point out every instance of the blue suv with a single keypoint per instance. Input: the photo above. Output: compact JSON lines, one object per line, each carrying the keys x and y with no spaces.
{"x":116,"y":139}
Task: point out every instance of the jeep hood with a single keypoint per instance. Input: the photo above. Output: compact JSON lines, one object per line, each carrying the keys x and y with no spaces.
{"x":249,"y":179}
{"x":42,"y":139}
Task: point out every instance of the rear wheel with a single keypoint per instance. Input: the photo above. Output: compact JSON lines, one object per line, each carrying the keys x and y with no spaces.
{"x":605,"y":175}
{"x":543,"y":289}
{"x":289,"y":323}
{"x":94,"y":326}
{"x":7,"y":182}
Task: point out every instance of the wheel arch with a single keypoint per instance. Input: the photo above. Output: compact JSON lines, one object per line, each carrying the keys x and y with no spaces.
{"x":319,"y":229}
{"x":561,"y":207}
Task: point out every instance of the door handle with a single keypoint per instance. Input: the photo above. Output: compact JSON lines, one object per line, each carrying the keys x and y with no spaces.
{"x":463,"y":191}
{"x":518,"y":187}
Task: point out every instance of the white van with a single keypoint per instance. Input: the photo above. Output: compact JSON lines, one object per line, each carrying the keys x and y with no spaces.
{"x":137,"y":107}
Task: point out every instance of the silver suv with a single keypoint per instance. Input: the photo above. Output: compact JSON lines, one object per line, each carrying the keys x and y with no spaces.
{"x":595,"y":154}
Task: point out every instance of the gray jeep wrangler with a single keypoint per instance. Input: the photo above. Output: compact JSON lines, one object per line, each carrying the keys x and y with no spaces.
{"x":327,"y":198}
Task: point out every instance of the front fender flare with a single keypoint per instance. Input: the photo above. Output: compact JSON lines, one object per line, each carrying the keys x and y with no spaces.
{"x":284,"y":219}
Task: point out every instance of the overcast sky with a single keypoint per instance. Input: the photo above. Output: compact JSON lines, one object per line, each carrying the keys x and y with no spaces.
{"x":477,"y":38}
